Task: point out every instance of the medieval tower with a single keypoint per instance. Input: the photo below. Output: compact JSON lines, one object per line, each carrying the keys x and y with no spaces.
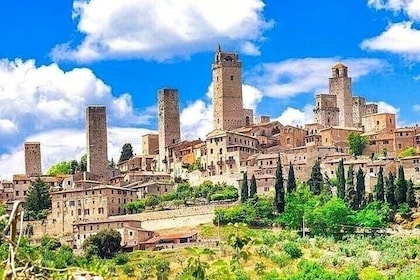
{"x":228,"y":109}
{"x":340,"y":85}
{"x":168,"y":124}
{"x":96,"y":134}
{"x":33,"y":159}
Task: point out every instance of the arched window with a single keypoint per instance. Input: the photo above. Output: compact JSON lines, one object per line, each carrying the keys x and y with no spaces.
{"x":247,"y":120}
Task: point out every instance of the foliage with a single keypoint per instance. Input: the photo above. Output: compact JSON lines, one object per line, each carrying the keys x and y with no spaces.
{"x":310,"y":270}
{"x":253,"y":187}
{"x":292,"y":250}
{"x":316,"y":180}
{"x":238,"y":240}
{"x":38,"y":198}
{"x":151,"y":200}
{"x":374,"y":215}
{"x":379,"y":187}
{"x":390,"y":190}
{"x":244,"y":188}
{"x":357,"y":143}
{"x":400,"y":187}
{"x":279,"y":201}
{"x":126,"y":152}
{"x":195,"y":165}
{"x":162,"y":269}
{"x":121,"y":258}
{"x":360,"y":188}
{"x":197,"y":268}
{"x":291,"y":180}
{"x":135,"y":206}
{"x":104,"y":244}
{"x":408,"y":152}
{"x":61,"y":168}
{"x":411,"y":198}
{"x":341,"y":180}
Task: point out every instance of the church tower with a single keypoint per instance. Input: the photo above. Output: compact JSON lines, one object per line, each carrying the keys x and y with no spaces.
{"x":340,"y":85}
{"x":228,"y":109}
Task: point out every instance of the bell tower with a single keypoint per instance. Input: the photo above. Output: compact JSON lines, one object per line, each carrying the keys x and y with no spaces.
{"x":228,"y":109}
{"x":340,"y":85}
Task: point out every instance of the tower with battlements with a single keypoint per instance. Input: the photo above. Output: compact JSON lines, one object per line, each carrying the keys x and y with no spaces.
{"x":33,"y":159}
{"x":228,"y":109}
{"x":340,"y":86}
{"x":168,"y":124}
{"x":96,"y":136}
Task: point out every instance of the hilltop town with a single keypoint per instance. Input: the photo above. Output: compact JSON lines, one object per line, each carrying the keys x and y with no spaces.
{"x":88,"y":201}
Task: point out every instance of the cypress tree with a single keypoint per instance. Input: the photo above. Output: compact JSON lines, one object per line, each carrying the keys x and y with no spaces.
{"x":253,"y":187}
{"x":401,"y":187}
{"x":244,"y":188}
{"x":379,"y":187}
{"x":316,"y":180}
{"x":390,"y":190}
{"x":360,"y":187}
{"x":291,"y":180}
{"x":341,"y":180}
{"x":279,"y":201}
{"x":411,"y":198}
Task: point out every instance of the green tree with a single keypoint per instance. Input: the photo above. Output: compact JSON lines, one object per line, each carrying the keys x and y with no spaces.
{"x":279,"y":201}
{"x":316,"y":179}
{"x":341,"y":180}
{"x":401,"y":187}
{"x":126,"y":152}
{"x":390,"y":190}
{"x":244,"y":188}
{"x":291,"y":180}
{"x":411,"y":198}
{"x":253,"y":187}
{"x":152,"y":200}
{"x":350,"y":191}
{"x":38,"y":198}
{"x":408,"y":152}
{"x":196,"y":267}
{"x":61,"y":168}
{"x":379,"y":187}
{"x":73,"y":166}
{"x":104,"y":244}
{"x":357,"y":143}
{"x":162,"y":269}
{"x":83,"y":163}
{"x":360,"y":187}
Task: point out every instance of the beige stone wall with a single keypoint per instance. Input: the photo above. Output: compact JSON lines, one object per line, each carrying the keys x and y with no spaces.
{"x":326,"y":110}
{"x":33,"y":159}
{"x":227,"y":91}
{"x":97,"y":145}
{"x":404,"y":138}
{"x":371,"y":108}
{"x":150,"y":144}
{"x":411,"y":167}
{"x":340,"y":85}
{"x":359,"y":110}
{"x":379,"y":122}
{"x":168,"y":124}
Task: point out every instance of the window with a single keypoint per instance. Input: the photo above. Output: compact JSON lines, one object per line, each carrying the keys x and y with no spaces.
{"x":371,"y":170}
{"x":231,"y":77}
{"x":17,"y":193}
{"x":416,"y":169}
{"x":71,"y":203}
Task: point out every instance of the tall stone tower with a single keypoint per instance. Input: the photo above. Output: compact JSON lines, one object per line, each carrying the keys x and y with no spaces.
{"x":227,"y":91}
{"x":340,"y":85}
{"x":33,"y":159}
{"x":169,"y":124}
{"x":96,"y":135}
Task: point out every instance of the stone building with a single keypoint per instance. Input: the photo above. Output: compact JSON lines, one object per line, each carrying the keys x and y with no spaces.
{"x":6,"y":191}
{"x":97,"y":143}
{"x":150,"y":144}
{"x":379,"y":122}
{"x":227,"y":92}
{"x":33,"y":159}
{"x":411,"y":167}
{"x":169,"y":124}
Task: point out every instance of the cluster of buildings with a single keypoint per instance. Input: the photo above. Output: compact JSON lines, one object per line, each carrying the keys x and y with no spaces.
{"x":86,"y":202}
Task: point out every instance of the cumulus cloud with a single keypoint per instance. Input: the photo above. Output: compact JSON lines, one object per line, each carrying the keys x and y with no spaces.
{"x":384,"y":107}
{"x":163,"y":29}
{"x":293,"y":116}
{"x":7,"y":126}
{"x":67,"y":144}
{"x":409,"y":7}
{"x":291,"y":77}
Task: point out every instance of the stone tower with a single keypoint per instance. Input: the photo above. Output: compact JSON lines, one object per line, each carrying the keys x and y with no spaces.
{"x":168,"y":124}
{"x":340,"y":85}
{"x":326,"y":111}
{"x":33,"y":159}
{"x":96,"y":135}
{"x":227,"y":91}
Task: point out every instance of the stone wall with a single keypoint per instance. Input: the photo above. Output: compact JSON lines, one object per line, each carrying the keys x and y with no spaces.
{"x":96,"y":136}
{"x":33,"y":159}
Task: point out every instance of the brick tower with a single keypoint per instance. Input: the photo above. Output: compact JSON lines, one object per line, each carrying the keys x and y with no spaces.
{"x":33,"y":159}
{"x":96,"y":135}
{"x":168,"y":124}
{"x":227,"y":91}
{"x":340,"y":85}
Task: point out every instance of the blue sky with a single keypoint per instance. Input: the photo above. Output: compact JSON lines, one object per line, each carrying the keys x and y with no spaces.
{"x":58,"y":57}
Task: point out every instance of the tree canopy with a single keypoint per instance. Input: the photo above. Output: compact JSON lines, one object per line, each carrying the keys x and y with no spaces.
{"x":279,"y":201}
{"x":291,"y":180}
{"x":104,"y":244}
{"x":126,"y":152}
{"x":408,"y":152}
{"x":357,"y":143}
{"x":38,"y":198}
{"x":244,"y":188}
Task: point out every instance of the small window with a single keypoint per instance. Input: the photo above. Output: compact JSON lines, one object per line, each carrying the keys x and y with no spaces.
{"x":231,"y":77}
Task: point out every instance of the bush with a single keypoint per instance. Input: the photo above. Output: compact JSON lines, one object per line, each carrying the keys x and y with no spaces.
{"x":129,"y":270}
{"x":121,"y":258}
{"x":104,"y":244}
{"x":292,"y":250}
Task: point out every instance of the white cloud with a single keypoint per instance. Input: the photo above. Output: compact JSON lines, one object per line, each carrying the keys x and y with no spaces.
{"x":416,"y":108}
{"x":384,"y":107}
{"x":7,"y":126}
{"x":163,"y":29}
{"x":196,"y":120}
{"x":293,"y":116}
{"x":410,"y":7}
{"x":251,"y":97}
{"x":399,"y":38}
{"x":291,"y":77}
{"x":67,"y":144}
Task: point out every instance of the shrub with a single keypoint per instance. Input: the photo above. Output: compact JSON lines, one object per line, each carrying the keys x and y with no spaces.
{"x":121,"y":258}
{"x":292,"y":250}
{"x":129,"y":270}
